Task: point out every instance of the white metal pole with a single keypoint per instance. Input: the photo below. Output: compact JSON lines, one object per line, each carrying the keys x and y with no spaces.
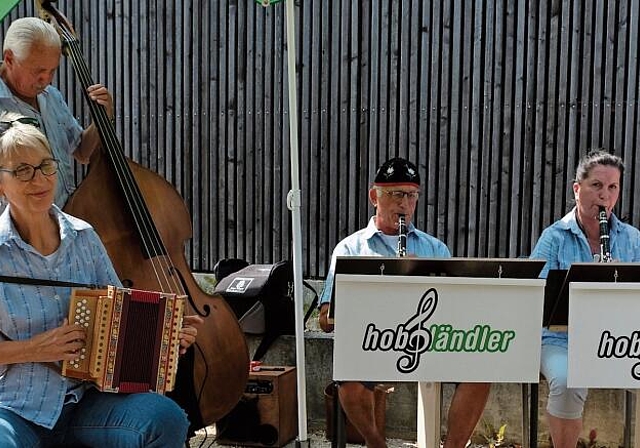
{"x":293,"y":203}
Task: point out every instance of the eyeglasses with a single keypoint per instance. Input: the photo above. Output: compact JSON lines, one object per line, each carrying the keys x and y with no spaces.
{"x":5,"y":125}
{"x":26,"y":172}
{"x":399,"y":195}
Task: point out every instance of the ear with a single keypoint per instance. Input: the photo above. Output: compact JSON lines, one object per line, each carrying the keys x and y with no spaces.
{"x":373,"y":197}
{"x":8,"y":57}
{"x":576,"y":188}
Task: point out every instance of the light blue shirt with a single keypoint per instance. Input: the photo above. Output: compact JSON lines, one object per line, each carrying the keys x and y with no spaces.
{"x":564,"y":243}
{"x":371,"y":242}
{"x":33,"y":390}
{"x":59,"y":125}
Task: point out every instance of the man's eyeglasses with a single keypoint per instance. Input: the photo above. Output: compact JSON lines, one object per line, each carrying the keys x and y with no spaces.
{"x":26,"y":172}
{"x":399,"y":195}
{"x":5,"y":125}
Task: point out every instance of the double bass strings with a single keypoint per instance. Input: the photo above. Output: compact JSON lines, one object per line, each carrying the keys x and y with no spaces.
{"x":151,"y":240}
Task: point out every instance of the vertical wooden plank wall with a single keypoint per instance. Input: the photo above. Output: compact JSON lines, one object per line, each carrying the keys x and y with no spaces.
{"x":494,"y":101}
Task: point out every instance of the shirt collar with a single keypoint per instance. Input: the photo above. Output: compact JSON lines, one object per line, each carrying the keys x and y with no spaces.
{"x":372,"y":230}
{"x":570,"y":222}
{"x":5,"y":92}
{"x":68,"y":225}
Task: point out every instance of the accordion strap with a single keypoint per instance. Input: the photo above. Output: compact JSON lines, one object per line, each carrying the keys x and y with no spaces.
{"x":45,"y":282}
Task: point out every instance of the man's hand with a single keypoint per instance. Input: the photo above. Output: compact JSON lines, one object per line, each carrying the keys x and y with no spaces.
{"x":323,"y":318}
{"x":90,"y":139}
{"x":101,"y":95}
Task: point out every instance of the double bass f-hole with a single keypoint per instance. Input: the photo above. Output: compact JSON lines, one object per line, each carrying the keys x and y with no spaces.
{"x":206,"y":308}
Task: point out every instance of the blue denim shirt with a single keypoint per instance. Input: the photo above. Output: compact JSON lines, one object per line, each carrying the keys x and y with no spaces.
{"x":59,"y":125}
{"x":33,"y":390}
{"x":370,"y":242}
{"x":564,"y":243}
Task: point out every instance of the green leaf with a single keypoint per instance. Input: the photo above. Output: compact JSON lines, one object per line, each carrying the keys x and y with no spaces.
{"x":501,"y":432}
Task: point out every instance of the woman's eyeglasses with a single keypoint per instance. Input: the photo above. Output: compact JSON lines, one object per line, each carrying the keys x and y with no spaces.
{"x":5,"y":125}
{"x":26,"y":172}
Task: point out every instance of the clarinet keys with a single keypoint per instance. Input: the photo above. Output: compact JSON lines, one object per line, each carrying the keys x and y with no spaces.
{"x":605,"y":251}
{"x":402,"y":236}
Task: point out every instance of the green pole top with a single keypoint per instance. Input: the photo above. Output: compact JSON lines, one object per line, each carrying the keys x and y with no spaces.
{"x":6,"y":6}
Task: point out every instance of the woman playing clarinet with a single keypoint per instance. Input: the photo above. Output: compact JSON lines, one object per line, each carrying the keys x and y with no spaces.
{"x":589,"y":232}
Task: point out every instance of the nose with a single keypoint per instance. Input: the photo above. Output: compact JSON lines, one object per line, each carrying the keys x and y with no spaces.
{"x":45,"y":79}
{"x":604,"y":196}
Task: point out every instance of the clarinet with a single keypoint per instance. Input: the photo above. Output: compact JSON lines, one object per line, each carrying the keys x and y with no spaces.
{"x":605,"y":251}
{"x":402,"y":236}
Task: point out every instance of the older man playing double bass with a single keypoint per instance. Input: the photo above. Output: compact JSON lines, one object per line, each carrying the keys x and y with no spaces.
{"x":31,"y":56}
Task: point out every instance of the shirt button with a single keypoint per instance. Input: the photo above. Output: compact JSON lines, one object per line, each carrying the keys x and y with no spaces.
{"x":57,"y":297}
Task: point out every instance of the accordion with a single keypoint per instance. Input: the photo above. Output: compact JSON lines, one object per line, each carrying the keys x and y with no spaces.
{"x":132,"y":340}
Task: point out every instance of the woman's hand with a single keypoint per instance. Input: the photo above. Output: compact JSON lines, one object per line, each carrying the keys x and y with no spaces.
{"x":60,"y":344}
{"x":189,"y":332}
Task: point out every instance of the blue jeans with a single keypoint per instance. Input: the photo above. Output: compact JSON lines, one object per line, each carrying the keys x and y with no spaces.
{"x":103,"y":420}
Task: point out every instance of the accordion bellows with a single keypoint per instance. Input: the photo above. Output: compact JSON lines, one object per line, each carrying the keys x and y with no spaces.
{"x":132,"y":342}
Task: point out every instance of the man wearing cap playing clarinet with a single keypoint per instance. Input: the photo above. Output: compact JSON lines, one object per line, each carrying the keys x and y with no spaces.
{"x":395,"y":192}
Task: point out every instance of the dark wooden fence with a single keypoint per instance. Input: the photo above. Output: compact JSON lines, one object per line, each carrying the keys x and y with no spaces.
{"x":494,"y":101}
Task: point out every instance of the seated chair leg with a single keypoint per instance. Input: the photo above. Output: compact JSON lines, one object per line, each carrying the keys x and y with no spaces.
{"x":339,"y":421}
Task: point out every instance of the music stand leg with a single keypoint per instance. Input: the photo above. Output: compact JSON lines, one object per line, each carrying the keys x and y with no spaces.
{"x":429,"y":410}
{"x":636,"y":432}
{"x":533,"y":415}
{"x":525,"y":415}
{"x":631,"y":413}
{"x":339,"y":420}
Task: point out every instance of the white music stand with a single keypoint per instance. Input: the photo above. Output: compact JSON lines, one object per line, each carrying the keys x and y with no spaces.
{"x":468,"y":294}
{"x":581,"y":300}
{"x":603,"y":297}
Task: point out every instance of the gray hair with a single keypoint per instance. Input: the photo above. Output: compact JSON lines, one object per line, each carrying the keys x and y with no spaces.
{"x":597,"y":157}
{"x":26,"y":32}
{"x":20,"y":136}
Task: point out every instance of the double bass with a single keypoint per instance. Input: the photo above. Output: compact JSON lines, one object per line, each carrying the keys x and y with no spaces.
{"x":144,"y":223}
